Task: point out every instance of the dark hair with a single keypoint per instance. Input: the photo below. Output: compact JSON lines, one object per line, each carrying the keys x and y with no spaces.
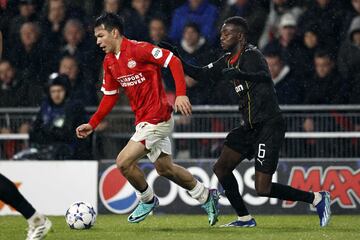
{"x":324,"y":53}
{"x":193,"y":26}
{"x":240,"y":22}
{"x":110,"y":21}
{"x":273,"y":51}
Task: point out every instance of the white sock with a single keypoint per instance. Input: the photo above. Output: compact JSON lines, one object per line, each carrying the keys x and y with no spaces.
{"x":245,"y":218}
{"x":146,"y":196}
{"x":36,"y":219}
{"x":199,"y":192}
{"x":317,"y":198}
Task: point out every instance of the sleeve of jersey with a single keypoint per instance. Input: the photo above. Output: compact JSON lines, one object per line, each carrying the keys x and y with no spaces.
{"x":153,"y":54}
{"x":109,"y":85}
{"x":106,"y":104}
{"x":178,"y":75}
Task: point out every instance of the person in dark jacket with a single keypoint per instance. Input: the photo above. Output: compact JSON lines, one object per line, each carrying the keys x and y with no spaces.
{"x":288,"y":89}
{"x":57,"y":120}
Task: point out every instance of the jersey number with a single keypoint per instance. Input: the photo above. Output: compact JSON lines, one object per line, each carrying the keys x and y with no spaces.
{"x":261,"y":151}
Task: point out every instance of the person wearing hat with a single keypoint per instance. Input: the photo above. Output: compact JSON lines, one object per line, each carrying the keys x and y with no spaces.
{"x":287,"y":41}
{"x":57,"y":120}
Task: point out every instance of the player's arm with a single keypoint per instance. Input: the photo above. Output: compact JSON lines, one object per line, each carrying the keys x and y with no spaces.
{"x":182,"y":102}
{"x":110,"y":89}
{"x":254,"y":68}
{"x":199,"y":73}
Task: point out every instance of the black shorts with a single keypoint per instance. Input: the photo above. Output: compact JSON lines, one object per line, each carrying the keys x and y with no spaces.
{"x":263,"y":143}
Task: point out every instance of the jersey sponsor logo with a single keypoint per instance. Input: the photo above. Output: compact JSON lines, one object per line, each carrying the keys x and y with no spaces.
{"x":341,"y":181}
{"x":157,"y":53}
{"x":131,"y":64}
{"x":115,"y":191}
{"x":131,"y":80}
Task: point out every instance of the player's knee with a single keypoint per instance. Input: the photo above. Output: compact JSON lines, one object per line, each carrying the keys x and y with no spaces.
{"x":123,"y":165}
{"x":165,"y":171}
{"x":219,"y":170}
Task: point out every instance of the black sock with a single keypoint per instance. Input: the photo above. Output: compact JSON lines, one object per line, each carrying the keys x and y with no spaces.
{"x":11,"y":196}
{"x":231,"y":188}
{"x":285,"y":192}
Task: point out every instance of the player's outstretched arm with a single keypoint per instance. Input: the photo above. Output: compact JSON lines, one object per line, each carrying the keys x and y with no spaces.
{"x":199,"y":73}
{"x":106,"y":104}
{"x":84,"y":130}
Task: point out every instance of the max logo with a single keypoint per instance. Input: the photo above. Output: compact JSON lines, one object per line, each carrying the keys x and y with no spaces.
{"x":2,"y":204}
{"x":343,"y":183}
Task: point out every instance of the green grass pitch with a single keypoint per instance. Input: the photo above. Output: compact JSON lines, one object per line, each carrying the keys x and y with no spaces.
{"x":193,"y":227}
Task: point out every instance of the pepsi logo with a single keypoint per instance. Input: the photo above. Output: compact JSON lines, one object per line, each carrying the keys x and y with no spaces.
{"x":116,"y":193}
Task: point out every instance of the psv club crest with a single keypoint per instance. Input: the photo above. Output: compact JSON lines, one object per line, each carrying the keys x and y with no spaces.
{"x":131,"y":64}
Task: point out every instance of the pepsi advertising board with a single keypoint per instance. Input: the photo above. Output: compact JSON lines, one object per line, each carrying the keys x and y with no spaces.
{"x":340,"y":177}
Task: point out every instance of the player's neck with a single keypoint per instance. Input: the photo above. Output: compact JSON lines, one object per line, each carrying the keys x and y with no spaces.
{"x":118,"y":46}
{"x":236,"y":50}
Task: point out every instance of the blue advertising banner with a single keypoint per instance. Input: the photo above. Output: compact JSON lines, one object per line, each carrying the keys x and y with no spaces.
{"x":340,"y":177}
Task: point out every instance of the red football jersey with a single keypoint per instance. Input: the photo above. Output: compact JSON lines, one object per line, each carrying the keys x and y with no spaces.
{"x":137,"y":69}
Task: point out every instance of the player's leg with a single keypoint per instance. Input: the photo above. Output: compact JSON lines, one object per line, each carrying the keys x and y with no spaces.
{"x":179,"y":175}
{"x":267,"y":148}
{"x":39,"y":225}
{"x":127,"y":164}
{"x":223,"y":169}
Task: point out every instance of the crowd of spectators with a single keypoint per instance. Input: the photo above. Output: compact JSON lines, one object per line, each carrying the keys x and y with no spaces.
{"x":46,"y":36}
{"x":312,"y":46}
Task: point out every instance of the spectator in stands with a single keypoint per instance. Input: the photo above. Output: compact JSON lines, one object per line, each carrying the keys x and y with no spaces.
{"x":28,"y":56}
{"x":137,"y":22}
{"x":349,"y":60}
{"x":252,"y":11}
{"x":52,"y":25}
{"x":327,"y":17}
{"x":277,"y":9}
{"x":200,"y":12}
{"x":112,"y":6}
{"x":14,"y":90}
{"x":349,"y":16}
{"x":194,"y":50}
{"x":82,"y":89}
{"x":327,"y":86}
{"x":79,"y":46}
{"x":157,"y":31}
{"x":288,"y":89}
{"x":311,"y":41}
{"x":287,"y":42}
{"x":116,"y":6}
{"x":27,"y":13}
{"x":56,"y":121}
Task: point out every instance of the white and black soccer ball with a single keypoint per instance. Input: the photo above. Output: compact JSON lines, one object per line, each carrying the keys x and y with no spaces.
{"x":80,"y":215}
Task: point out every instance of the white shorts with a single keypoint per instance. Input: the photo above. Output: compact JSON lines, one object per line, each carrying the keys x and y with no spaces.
{"x":156,"y":137}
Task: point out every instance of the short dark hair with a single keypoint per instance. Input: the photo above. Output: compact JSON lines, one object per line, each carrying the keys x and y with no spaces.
{"x":110,"y":21}
{"x":240,"y":22}
{"x":324,"y":53}
{"x":193,"y":26}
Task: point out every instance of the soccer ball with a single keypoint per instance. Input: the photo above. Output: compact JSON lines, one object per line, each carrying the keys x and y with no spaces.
{"x":80,"y":215}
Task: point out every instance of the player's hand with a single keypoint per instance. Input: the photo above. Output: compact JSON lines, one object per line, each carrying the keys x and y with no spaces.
{"x":84,"y":130}
{"x":183,"y":105}
{"x":169,"y":47}
{"x":233,"y":73}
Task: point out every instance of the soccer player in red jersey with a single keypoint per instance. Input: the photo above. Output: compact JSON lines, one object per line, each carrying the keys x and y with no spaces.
{"x":135,"y":67}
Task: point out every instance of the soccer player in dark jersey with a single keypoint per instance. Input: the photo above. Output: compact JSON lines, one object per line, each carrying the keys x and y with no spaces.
{"x":262,"y":129}
{"x":39,"y":225}
{"x":135,"y":68}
